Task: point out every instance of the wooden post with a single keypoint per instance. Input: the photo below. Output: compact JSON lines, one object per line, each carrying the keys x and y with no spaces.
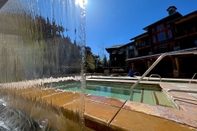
{"x":149,"y":63}
{"x":176,"y":67}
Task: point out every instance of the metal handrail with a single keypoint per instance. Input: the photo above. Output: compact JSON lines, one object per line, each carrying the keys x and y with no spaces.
{"x":193,"y":77}
{"x":155,"y":63}
{"x":154,"y":75}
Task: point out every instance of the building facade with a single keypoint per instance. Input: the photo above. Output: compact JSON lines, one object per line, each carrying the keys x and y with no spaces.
{"x":172,"y":33}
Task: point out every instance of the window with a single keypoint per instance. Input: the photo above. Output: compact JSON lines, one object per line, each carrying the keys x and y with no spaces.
{"x":195,"y":42}
{"x":161,"y":36}
{"x":169,"y":33}
{"x":160,"y":27}
{"x":144,"y":43}
{"x":114,"y":52}
{"x":138,"y":43}
{"x":122,"y":49}
{"x":131,"y":47}
{"x":153,"y":30}
{"x":131,"y":51}
{"x":154,"y":39}
{"x":190,"y":30}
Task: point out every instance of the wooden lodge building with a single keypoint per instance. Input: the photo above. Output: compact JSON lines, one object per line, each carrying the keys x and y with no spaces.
{"x":174,"y":33}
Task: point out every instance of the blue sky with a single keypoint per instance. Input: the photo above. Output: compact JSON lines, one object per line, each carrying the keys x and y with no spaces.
{"x":111,"y":22}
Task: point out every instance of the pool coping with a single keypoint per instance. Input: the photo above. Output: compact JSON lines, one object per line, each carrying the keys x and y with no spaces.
{"x":177,"y":116}
{"x":186,"y":115}
{"x":111,"y":114}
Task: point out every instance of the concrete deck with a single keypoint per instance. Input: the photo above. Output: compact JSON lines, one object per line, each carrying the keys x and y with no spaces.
{"x":182,"y":93}
{"x":110,"y":114}
{"x":185,"y":95}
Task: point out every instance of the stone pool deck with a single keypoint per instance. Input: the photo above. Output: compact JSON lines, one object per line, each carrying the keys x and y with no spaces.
{"x":184,"y":95}
{"x":110,"y":114}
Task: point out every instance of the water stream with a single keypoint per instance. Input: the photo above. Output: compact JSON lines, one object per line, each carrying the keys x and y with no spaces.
{"x":41,"y":41}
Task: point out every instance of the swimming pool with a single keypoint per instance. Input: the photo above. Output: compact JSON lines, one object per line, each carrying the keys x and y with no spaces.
{"x":143,"y":93}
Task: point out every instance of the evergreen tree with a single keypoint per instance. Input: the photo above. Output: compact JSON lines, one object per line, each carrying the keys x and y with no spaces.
{"x":90,"y":61}
{"x":105,"y":61}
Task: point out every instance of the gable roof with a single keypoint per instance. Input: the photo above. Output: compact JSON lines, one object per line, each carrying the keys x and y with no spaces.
{"x":140,"y":36}
{"x":115,"y":46}
{"x":176,"y":14}
{"x":186,"y":17}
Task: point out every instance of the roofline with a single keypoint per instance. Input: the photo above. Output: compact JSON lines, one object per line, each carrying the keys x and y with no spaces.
{"x":139,"y":35}
{"x":115,"y":47}
{"x":189,"y":14}
{"x":145,"y":28}
{"x":132,"y":42}
{"x":184,"y":16}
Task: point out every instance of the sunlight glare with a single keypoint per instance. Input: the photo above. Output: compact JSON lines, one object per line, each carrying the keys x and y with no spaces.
{"x":81,"y":2}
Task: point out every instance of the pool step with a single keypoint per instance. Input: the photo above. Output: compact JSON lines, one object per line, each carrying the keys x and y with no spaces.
{"x":137,"y":96}
{"x":155,"y":98}
{"x":148,"y":97}
{"x":162,"y":100}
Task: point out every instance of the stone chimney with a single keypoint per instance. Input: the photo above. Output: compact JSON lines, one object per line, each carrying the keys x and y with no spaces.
{"x":171,"y":10}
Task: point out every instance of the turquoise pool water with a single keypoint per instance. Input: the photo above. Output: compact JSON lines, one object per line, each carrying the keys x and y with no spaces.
{"x":102,"y":93}
{"x":144,"y":93}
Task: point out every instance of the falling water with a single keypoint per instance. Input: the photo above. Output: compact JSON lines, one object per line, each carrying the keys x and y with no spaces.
{"x":41,"y":42}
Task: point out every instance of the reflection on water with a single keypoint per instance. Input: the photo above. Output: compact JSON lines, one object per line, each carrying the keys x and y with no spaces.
{"x":41,"y":39}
